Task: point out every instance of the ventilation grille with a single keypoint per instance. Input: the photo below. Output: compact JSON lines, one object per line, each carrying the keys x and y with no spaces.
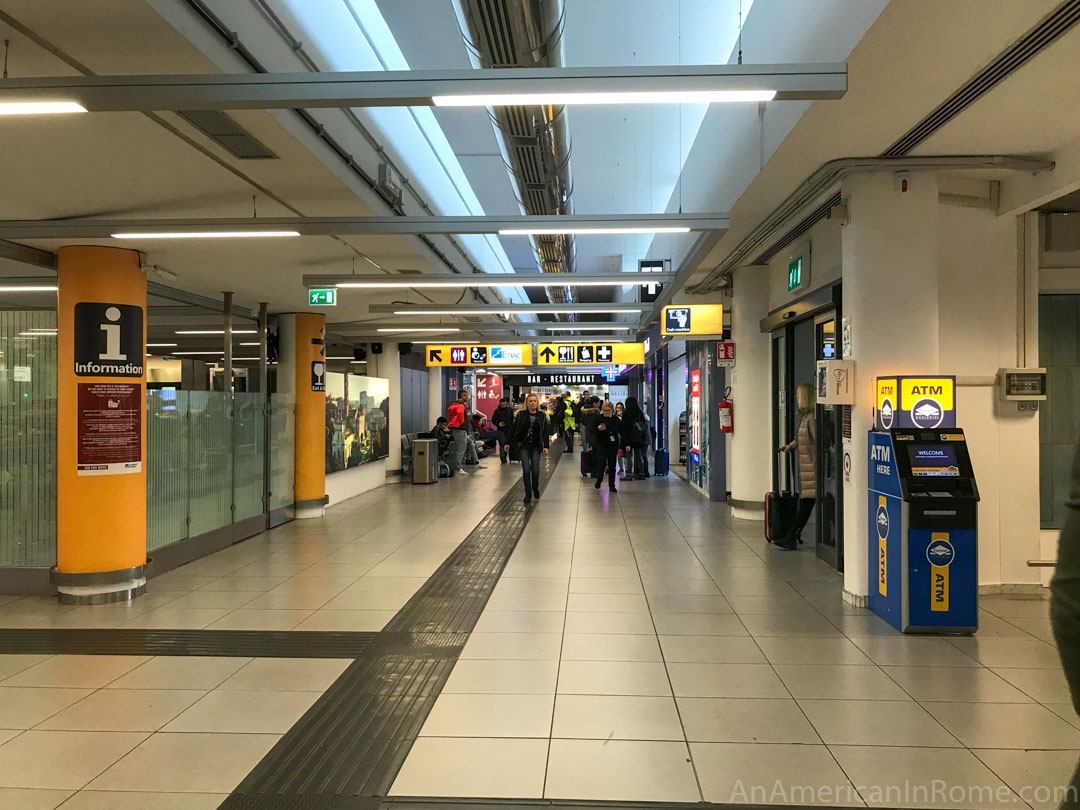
{"x":227,"y":134}
{"x":819,"y":213}
{"x":1064,"y":17}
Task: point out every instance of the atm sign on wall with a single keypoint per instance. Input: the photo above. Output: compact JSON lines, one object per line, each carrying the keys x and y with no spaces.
{"x":916,"y":402}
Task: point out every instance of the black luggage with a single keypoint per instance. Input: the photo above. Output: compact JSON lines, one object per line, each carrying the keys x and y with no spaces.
{"x":660,"y":462}
{"x":781,"y":509}
{"x":588,"y":462}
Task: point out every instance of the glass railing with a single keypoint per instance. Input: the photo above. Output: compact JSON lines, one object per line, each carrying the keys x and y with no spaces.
{"x":282,"y":457}
{"x":27,"y":439}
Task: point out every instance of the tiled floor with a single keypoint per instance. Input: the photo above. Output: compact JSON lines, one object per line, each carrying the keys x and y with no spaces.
{"x":638,"y":647}
{"x":647,"y":647}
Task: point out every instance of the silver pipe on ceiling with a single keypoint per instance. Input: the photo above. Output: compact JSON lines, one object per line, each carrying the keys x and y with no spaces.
{"x":535,"y":139}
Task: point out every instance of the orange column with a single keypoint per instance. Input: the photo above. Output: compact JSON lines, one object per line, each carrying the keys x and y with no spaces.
{"x":101,"y":425}
{"x":309,"y":331}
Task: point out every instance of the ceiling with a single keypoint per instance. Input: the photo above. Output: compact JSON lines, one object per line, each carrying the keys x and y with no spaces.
{"x":904,"y":57}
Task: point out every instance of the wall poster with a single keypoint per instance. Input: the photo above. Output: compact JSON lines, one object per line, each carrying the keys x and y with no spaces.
{"x":110,"y":428}
{"x":357,"y":420}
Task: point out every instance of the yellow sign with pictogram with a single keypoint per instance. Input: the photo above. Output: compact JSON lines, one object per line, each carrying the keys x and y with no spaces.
{"x":516,"y":354}
{"x":590,"y":354}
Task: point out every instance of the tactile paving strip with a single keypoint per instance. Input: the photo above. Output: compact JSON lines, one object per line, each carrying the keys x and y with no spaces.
{"x":239,"y":643}
{"x":347,"y":749}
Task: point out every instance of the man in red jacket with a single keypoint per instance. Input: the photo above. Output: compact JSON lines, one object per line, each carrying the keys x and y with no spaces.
{"x":458,"y":429}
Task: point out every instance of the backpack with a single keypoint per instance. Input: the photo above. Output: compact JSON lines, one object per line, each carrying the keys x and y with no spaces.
{"x":639,"y":434}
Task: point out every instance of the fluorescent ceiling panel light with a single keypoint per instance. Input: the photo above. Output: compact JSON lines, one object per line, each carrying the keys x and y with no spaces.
{"x":628,"y":97}
{"x":216,"y":331}
{"x":358,"y":362}
{"x":250,"y":344}
{"x":207,"y":353}
{"x":586,"y":231}
{"x":488,"y":311}
{"x":160,"y":345}
{"x":40,"y":107}
{"x":25,"y":288}
{"x":586,"y":328}
{"x":342,"y":357}
{"x":506,"y":280}
{"x":205,"y":235}
{"x":406,"y":329}
{"x":37,"y":334}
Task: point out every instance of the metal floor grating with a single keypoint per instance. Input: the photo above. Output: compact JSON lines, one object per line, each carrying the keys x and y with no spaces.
{"x":346,"y":751}
{"x":237,"y":643}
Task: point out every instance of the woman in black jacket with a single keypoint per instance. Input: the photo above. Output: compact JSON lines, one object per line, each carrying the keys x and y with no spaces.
{"x":528,"y":436}
{"x":635,"y":439}
{"x":606,"y":433}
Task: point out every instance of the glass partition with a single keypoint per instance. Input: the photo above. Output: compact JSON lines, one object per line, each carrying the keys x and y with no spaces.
{"x":248,"y":433}
{"x":282,"y":433}
{"x":167,"y":451}
{"x":27,"y":438}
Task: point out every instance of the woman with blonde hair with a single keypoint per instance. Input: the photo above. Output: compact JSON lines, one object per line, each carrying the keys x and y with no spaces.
{"x":529,"y":436}
{"x":805,"y":445}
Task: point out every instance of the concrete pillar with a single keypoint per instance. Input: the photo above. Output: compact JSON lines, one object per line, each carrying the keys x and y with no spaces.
{"x":435,"y":394}
{"x":302,"y":375}
{"x":101,"y":425}
{"x":750,"y":446}
{"x":388,"y":366}
{"x":933,"y":288}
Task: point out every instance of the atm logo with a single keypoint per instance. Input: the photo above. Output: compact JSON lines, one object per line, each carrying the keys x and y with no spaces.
{"x":940,"y":553}
{"x":928,"y":390}
{"x":882,"y":520}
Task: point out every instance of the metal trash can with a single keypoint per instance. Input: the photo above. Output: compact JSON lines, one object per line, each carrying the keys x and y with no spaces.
{"x":425,"y":461}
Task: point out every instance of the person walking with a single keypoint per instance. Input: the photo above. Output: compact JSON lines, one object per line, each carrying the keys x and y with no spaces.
{"x":1065,"y":606}
{"x":529,"y":436}
{"x":458,"y":414}
{"x":805,"y":444}
{"x":606,"y":430}
{"x":501,"y":420}
{"x":569,"y":422}
{"x":635,"y":439}
{"x":620,"y":412}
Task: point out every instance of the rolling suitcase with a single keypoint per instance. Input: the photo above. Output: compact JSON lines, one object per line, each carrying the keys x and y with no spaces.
{"x":588,"y":461}
{"x":660,"y":462}
{"x":780,"y":510}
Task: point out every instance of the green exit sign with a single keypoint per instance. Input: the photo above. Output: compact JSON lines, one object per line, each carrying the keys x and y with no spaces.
{"x":794,"y":274}
{"x":322,"y":298}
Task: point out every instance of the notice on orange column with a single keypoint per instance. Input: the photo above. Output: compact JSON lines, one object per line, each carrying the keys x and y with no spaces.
{"x":310,"y":371}
{"x":101,"y":394}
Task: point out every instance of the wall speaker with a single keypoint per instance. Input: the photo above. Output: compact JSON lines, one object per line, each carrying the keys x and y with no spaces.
{"x":359,"y":353}
{"x":404,"y":348}
{"x":376,"y":348}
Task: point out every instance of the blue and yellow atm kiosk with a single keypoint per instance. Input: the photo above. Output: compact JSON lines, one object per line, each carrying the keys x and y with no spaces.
{"x":923,"y":510}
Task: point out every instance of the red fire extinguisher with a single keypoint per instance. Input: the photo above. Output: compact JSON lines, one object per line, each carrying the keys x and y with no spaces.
{"x":727,"y":413}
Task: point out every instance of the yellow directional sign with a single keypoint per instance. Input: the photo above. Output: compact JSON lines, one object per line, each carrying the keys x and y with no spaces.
{"x":590,"y":354}
{"x":515,"y":354}
{"x":695,"y":319}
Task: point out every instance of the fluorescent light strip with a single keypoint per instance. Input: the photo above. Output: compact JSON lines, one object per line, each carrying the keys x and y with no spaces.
{"x":222,"y":354}
{"x":490,"y":280}
{"x":343,"y":357}
{"x":586,"y":328}
{"x":630,"y":97}
{"x":205,"y":235}
{"x":489,"y":310}
{"x":216,"y":331}
{"x":250,"y":344}
{"x":40,"y":107}
{"x":586,"y":231}
{"x":406,"y":329}
{"x":37,"y":334}
{"x":32,"y":288}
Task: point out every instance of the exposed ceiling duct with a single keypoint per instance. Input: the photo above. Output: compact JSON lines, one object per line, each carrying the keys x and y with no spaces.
{"x":536,"y":140}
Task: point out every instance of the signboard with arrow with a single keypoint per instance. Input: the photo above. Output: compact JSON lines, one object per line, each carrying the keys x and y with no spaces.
{"x":515,"y":354}
{"x":590,"y":354}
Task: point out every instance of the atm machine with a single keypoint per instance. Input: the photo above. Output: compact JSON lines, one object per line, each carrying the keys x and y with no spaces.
{"x":923,"y":513}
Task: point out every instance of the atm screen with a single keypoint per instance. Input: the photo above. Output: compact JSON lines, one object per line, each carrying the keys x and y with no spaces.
{"x":933,"y":460}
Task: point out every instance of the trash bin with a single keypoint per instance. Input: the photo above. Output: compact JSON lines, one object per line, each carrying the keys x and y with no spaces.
{"x":425,"y":461}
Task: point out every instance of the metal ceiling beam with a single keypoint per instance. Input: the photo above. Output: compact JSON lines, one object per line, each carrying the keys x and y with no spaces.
{"x":352,"y":226}
{"x":495,"y":309}
{"x":371,"y":328}
{"x":413,"y":88}
{"x":436,"y":280}
{"x":27,"y":255}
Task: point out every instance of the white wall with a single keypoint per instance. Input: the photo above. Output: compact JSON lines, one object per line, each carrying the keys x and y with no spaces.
{"x":749,"y":450}
{"x":345,"y":484}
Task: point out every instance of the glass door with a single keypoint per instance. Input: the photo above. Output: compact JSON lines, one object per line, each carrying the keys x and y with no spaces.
{"x":780,"y":397}
{"x":830,"y":451}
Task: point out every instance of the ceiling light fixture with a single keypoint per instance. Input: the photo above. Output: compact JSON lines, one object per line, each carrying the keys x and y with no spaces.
{"x":487,"y":280}
{"x":587,"y":328}
{"x":216,"y":331}
{"x":160,"y":345}
{"x":587,"y":231}
{"x":628,"y":97}
{"x":40,"y":107}
{"x":486,"y":311}
{"x":406,"y":329}
{"x":207,"y":353}
{"x":204,"y":235}
{"x":30,"y":288}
